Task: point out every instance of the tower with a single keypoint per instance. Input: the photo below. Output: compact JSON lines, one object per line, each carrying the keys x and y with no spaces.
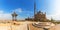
{"x":14,"y":15}
{"x":34,"y":10}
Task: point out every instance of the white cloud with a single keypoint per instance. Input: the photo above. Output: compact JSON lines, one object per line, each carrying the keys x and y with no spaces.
{"x":1,"y":11}
{"x":4,"y":16}
{"x":18,"y":10}
{"x":55,"y":10}
{"x":7,"y":16}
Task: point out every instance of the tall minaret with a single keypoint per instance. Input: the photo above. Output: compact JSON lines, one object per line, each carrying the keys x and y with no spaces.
{"x":34,"y":9}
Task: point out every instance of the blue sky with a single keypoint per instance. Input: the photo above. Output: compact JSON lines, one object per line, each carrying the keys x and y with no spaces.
{"x":25,"y":8}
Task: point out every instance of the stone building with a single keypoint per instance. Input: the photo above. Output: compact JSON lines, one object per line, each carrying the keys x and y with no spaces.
{"x":40,"y":16}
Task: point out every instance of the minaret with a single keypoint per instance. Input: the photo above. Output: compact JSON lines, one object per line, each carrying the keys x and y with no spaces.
{"x":34,"y":9}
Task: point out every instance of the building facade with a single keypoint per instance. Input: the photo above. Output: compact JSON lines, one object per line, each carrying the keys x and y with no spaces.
{"x":40,"y":16}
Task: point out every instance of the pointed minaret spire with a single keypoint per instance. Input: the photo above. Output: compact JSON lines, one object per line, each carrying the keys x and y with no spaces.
{"x":34,"y":9}
{"x":34,"y":6}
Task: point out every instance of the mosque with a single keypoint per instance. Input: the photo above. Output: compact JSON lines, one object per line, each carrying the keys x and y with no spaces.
{"x":39,"y":16}
{"x":29,"y":24}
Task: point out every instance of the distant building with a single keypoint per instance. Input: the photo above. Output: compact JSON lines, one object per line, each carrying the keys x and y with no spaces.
{"x":29,"y":19}
{"x":40,"y":16}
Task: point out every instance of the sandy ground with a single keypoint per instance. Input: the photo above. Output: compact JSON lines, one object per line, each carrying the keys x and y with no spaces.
{"x":19,"y":26}
{"x":57,"y":27}
{"x":11,"y":26}
{"x":34,"y":28}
